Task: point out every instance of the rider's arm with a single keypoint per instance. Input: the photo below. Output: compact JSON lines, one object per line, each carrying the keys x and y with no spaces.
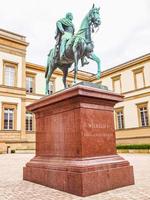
{"x":60,"y":27}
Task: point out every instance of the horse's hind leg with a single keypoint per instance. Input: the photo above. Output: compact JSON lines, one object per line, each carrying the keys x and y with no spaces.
{"x":51,"y":69}
{"x":65,"y":73}
{"x":75,"y":66}
{"x":47,"y":85}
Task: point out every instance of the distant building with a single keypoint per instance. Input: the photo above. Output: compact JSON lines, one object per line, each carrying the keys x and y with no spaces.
{"x":132,"y":116}
{"x":21,"y":83}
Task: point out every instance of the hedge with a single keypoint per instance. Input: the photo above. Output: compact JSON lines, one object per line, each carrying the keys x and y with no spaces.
{"x":133,"y":146}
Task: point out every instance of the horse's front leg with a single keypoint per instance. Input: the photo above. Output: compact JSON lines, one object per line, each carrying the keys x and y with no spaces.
{"x":92,"y":56}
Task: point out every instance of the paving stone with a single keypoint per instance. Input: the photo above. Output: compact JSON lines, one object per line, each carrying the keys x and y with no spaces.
{"x":12,"y":187}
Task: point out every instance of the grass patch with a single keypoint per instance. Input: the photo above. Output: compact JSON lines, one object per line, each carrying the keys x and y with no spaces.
{"x":133,"y":146}
{"x":24,"y":149}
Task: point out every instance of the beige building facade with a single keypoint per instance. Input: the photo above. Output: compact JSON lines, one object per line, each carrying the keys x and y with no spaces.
{"x":132,"y":116}
{"x":22,"y":83}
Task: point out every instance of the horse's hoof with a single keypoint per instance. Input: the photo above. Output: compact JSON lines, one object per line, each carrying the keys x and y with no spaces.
{"x":98,"y":76}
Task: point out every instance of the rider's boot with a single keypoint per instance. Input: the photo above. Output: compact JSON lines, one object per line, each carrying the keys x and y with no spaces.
{"x":62,"y":48}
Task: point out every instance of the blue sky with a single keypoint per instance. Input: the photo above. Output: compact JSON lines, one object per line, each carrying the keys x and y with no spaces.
{"x":123,"y":35}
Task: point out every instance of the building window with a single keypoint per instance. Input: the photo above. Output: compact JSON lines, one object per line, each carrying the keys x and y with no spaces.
{"x":8,"y":119}
{"x":29,"y":121}
{"x":143,"y":115}
{"x":10,"y":74}
{"x":120,"y":119}
{"x":51,"y":87}
{"x":9,"y":116}
{"x":139,"y":80}
{"x":116,"y":83}
{"x":30,"y":84}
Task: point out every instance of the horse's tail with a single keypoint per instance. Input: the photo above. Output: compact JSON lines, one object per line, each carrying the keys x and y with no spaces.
{"x":48,"y":62}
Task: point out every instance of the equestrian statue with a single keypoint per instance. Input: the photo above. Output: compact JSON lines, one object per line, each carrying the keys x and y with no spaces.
{"x":70,"y":47}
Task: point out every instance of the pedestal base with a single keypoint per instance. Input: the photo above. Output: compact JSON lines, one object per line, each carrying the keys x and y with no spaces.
{"x":75,"y":143}
{"x":81,"y":177}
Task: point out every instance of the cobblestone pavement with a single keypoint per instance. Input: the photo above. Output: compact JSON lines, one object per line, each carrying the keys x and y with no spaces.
{"x":12,"y":187}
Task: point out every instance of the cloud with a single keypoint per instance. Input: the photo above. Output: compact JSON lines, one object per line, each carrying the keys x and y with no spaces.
{"x":123,"y":35}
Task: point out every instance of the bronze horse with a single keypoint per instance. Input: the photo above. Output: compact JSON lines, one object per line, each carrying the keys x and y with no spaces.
{"x":79,"y":46}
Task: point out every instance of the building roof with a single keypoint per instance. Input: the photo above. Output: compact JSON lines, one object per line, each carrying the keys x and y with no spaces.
{"x":13,"y":37}
{"x":11,"y":33}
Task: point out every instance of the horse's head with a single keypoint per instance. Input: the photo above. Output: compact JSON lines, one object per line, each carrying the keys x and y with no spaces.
{"x":94,"y":16}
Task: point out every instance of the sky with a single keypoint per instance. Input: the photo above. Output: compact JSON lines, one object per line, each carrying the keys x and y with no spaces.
{"x":124,"y":33}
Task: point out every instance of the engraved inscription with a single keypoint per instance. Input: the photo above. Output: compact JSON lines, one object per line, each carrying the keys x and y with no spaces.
{"x":98,"y":129}
{"x":98,"y":125}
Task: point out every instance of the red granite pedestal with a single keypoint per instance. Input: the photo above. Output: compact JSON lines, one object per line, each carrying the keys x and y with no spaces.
{"x":75,"y":143}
